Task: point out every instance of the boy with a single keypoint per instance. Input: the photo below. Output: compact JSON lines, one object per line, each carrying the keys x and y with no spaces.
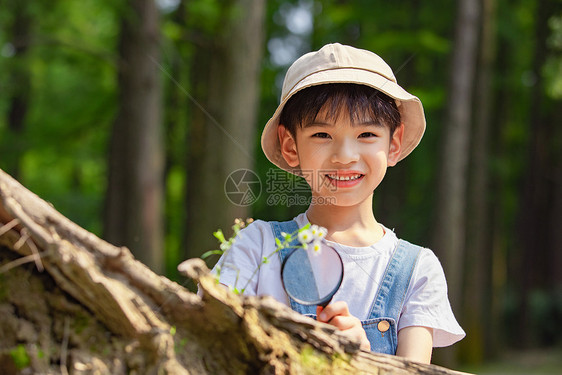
{"x":342,"y":121}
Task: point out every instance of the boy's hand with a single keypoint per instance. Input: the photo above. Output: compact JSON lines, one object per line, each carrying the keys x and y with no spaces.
{"x":337,"y":314}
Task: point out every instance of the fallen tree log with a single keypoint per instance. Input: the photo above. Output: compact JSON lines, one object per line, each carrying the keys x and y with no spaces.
{"x":73,"y":303}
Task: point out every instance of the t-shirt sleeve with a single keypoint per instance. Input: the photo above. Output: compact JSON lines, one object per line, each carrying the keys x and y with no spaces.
{"x":237,"y":266}
{"x":427,"y":303}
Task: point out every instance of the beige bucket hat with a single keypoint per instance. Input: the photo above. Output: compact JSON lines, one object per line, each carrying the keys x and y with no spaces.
{"x":337,"y":63}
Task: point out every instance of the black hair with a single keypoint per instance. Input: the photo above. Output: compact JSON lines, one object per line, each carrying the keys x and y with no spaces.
{"x":362,"y":102}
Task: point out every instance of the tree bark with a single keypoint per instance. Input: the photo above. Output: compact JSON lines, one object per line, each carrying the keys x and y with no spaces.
{"x":450,"y":231}
{"x":19,"y":79}
{"x":133,"y":207}
{"x":478,"y":257}
{"x":96,"y":309}
{"x":536,"y":201}
{"x":222,"y":136}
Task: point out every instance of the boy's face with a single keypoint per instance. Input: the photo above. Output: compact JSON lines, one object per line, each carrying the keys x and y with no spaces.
{"x":342,"y":160}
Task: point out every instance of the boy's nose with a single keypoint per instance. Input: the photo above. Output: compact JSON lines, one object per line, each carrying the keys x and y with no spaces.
{"x":344,"y":152}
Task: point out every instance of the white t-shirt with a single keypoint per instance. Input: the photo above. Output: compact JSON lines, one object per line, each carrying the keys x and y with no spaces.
{"x":426,"y":303}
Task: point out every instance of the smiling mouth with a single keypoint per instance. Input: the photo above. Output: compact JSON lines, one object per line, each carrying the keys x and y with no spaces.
{"x":345,"y":178}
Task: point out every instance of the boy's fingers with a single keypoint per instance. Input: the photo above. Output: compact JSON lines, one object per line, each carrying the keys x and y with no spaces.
{"x":333,"y":309}
{"x":337,"y":314}
{"x":343,"y":322}
{"x":338,"y":308}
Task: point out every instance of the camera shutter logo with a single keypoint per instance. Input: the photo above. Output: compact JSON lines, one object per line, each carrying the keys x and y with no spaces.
{"x":242,"y":187}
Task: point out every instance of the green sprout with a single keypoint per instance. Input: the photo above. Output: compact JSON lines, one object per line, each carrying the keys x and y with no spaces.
{"x":309,"y":236}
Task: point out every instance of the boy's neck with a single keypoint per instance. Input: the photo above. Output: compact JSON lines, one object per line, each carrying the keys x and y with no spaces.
{"x":352,"y":225}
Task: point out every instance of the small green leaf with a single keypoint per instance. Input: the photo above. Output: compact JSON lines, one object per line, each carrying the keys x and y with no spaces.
{"x":211,"y":252}
{"x":278,"y":243}
{"x":219,"y":235}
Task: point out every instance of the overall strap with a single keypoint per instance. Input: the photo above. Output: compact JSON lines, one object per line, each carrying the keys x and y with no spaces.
{"x":291,"y":227}
{"x":394,"y":285}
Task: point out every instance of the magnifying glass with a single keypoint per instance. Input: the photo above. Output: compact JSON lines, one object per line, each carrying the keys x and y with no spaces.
{"x":312,"y":277}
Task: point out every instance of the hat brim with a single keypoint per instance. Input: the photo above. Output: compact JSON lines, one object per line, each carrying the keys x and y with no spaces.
{"x":410,"y":107}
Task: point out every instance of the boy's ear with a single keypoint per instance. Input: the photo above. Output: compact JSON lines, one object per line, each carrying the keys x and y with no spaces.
{"x":395,"y":146}
{"x":288,"y":146}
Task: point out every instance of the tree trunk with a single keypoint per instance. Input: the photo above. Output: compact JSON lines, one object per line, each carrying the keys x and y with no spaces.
{"x":222,"y":136}
{"x":98,"y":310}
{"x":478,"y":257}
{"x":133,"y":212}
{"x":450,"y":230}
{"x":555,"y":215}
{"x":19,"y":84}
{"x":536,"y":202}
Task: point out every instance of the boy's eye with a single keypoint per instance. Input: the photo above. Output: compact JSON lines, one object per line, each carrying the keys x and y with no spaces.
{"x":367,"y":135}
{"x":321,"y":135}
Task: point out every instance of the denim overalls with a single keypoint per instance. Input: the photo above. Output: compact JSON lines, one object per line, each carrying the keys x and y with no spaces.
{"x":382,"y":324}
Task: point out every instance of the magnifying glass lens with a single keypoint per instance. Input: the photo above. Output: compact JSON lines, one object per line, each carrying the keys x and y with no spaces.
{"x":312,"y":277}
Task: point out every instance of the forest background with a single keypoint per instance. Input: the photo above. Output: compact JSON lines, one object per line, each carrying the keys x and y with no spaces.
{"x":140,"y":121}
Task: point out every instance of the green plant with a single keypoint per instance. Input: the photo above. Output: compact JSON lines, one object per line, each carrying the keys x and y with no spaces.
{"x":20,"y":357}
{"x":309,"y":237}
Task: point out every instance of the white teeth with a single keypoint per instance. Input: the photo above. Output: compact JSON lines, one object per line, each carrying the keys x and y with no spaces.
{"x":344,"y":178}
